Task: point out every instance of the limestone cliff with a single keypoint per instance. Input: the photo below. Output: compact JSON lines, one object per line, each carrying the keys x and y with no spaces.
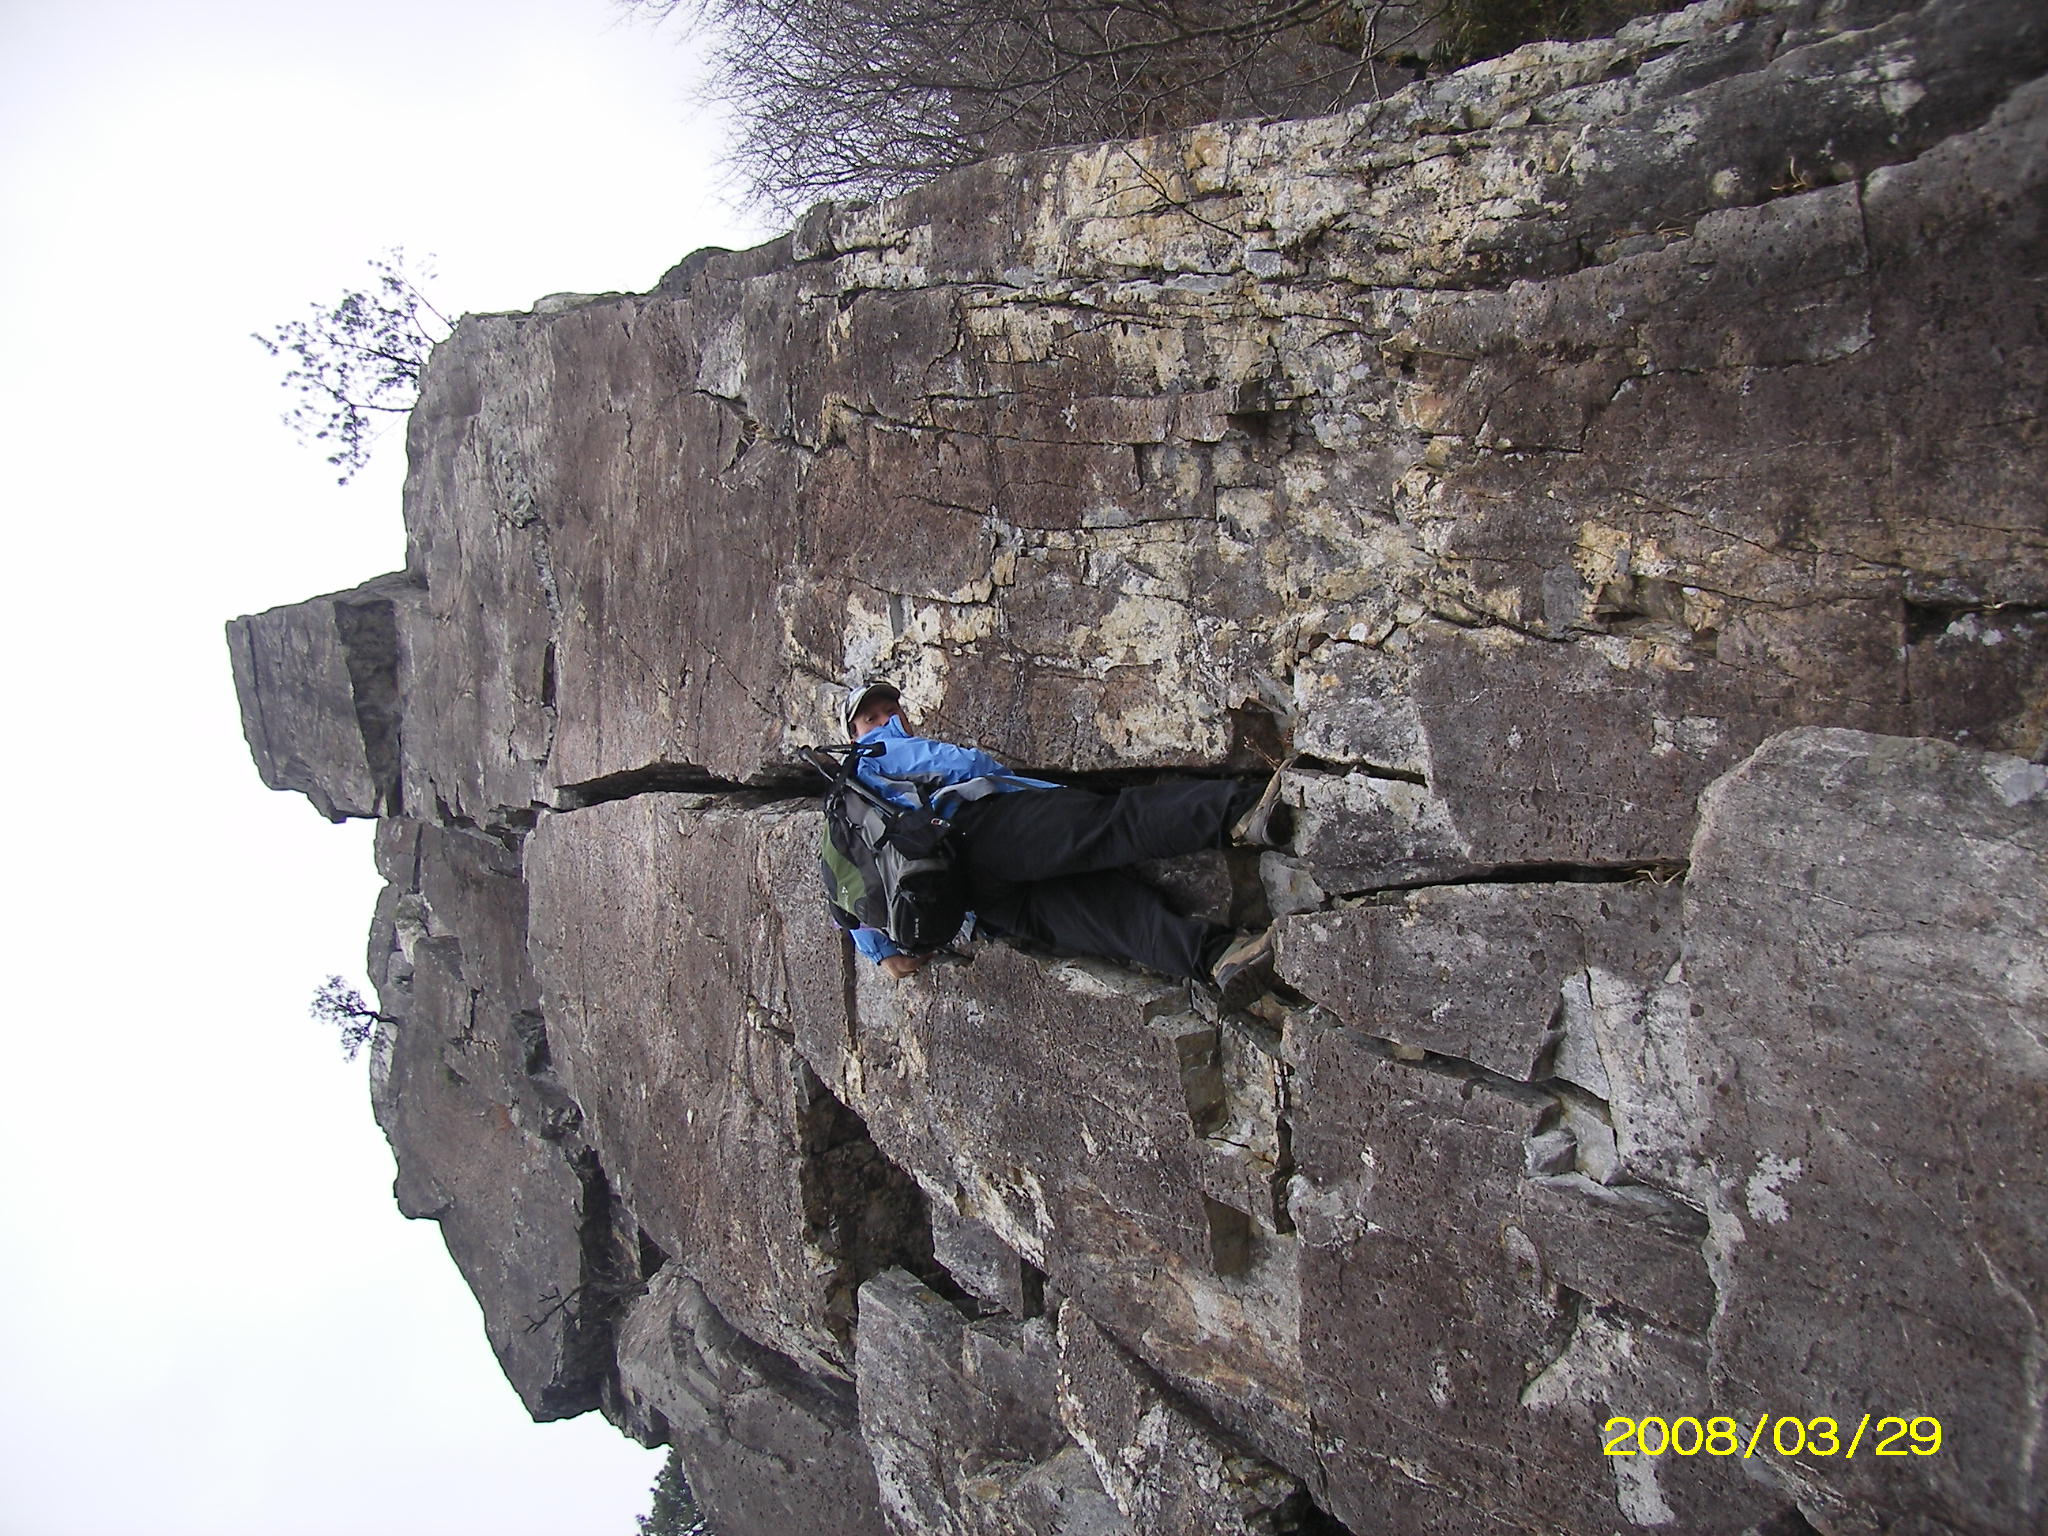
{"x":1617,"y":470}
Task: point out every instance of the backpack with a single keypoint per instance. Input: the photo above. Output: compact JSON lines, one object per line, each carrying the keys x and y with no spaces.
{"x":884,"y":866}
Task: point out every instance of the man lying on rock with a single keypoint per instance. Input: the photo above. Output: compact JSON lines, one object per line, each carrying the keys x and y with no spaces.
{"x":1046,"y":863}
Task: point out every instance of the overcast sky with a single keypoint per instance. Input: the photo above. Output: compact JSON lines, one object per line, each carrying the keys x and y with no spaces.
{"x":213,"y":1318}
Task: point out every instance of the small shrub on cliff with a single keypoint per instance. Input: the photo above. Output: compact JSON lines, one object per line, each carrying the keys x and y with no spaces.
{"x":339,"y":1004}
{"x":674,"y":1512}
{"x":358,"y":359}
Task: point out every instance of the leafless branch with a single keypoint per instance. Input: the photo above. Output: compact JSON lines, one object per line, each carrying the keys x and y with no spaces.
{"x":863,"y":98}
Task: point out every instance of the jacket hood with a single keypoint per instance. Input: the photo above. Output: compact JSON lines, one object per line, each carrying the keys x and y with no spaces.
{"x":891,"y":728}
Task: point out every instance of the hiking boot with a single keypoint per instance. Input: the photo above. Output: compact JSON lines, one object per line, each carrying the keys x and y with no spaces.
{"x":1250,"y":958}
{"x":1254,"y":829}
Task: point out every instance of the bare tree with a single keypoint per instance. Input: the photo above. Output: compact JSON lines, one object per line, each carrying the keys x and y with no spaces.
{"x":358,"y":359}
{"x":863,"y":98}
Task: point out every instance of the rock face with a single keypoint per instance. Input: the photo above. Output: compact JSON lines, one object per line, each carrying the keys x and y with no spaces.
{"x":1615,"y":470}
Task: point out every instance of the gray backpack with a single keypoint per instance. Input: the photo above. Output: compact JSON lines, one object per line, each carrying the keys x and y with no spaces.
{"x":884,"y":866}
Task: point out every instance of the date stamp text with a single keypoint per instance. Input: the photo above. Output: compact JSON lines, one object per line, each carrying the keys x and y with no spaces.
{"x":1890,"y":1435}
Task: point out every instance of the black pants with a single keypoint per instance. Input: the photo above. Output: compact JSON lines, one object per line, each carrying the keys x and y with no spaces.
{"x":1047,"y":865}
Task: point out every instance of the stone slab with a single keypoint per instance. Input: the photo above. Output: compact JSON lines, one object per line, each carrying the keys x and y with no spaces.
{"x":770,"y":1450}
{"x":1889,"y":897}
{"x":963,"y":1421}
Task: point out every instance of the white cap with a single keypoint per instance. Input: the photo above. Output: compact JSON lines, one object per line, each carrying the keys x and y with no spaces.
{"x":858,"y":695}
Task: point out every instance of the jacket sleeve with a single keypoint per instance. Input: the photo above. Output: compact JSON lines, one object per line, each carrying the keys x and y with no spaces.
{"x":874,"y":944}
{"x":914,"y":757}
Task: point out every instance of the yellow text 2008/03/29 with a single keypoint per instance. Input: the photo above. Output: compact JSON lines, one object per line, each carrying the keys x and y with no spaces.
{"x":1890,"y":1435}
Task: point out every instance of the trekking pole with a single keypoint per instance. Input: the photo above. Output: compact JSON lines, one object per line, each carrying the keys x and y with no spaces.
{"x":836,"y":764}
{"x":821,"y":758}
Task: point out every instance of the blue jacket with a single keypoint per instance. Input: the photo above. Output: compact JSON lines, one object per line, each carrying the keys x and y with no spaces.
{"x":905,"y":757}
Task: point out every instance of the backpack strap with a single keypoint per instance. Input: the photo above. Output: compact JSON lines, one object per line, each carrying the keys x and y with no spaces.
{"x":975,"y":789}
{"x":990,"y":784}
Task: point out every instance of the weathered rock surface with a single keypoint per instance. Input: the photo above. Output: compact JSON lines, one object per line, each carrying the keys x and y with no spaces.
{"x":664,"y":1028}
{"x":962,"y":1424}
{"x":1888,"y":895}
{"x":488,"y":1144}
{"x":1166,"y":1469}
{"x":319,"y":688}
{"x":1068,"y":1110}
{"x":770,"y":1446}
{"x":1615,"y":471}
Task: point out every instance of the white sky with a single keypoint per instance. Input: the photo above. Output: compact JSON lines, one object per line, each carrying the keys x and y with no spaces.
{"x":212,"y":1317}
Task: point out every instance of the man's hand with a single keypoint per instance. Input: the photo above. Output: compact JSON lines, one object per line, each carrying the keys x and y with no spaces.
{"x":900,"y":966}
